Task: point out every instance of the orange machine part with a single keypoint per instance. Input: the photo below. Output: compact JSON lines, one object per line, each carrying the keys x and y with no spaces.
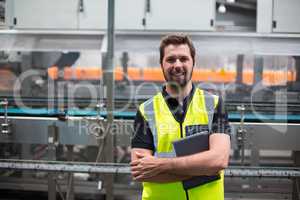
{"x":53,"y":72}
{"x":88,"y":73}
{"x":119,"y":74}
{"x":206,"y":75}
{"x":7,"y":80}
{"x":135,"y":74}
{"x":68,"y":73}
{"x":152,"y":74}
{"x":156,"y":75}
{"x":277,"y":77}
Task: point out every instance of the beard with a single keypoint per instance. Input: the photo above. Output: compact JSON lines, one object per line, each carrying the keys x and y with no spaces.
{"x":177,"y":79}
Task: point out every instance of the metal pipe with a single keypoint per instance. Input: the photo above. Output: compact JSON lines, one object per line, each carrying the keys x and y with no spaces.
{"x":109,"y":83}
{"x":109,"y":65}
{"x":241,"y":134}
{"x":59,"y":166}
{"x":52,"y":141}
{"x":239,"y":69}
{"x":260,"y":172}
{"x":5,"y":127}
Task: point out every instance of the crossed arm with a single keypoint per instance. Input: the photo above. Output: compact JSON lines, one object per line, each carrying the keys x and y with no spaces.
{"x":146,"y":167}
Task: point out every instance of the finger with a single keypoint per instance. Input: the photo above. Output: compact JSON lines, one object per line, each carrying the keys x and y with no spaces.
{"x":134,"y":163}
{"x":136,"y":168}
{"x":143,"y":176}
{"x":136,"y":173}
{"x":139,"y":178}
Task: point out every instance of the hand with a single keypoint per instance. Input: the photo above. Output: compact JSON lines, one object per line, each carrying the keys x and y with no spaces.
{"x":147,"y":166}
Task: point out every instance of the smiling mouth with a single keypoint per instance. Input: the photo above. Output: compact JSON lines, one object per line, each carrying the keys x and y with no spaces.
{"x":178,"y":75}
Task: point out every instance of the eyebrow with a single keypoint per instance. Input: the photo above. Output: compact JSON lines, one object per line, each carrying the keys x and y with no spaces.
{"x":177,"y":57}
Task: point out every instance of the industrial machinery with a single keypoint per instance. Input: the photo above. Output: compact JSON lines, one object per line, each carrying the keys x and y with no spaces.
{"x":2,"y":12}
{"x":61,"y":109}
{"x":68,"y":100}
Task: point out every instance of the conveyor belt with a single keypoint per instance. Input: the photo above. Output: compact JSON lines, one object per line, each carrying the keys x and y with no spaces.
{"x":265,"y":111}
{"x":59,"y":166}
{"x":43,"y":112}
{"x":291,"y":106}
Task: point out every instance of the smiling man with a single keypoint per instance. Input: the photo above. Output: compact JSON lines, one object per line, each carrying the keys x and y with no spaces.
{"x":178,"y":111}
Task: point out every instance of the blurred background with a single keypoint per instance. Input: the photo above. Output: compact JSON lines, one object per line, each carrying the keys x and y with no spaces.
{"x":73,"y":72}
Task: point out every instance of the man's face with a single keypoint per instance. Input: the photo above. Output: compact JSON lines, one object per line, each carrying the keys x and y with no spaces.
{"x":177,"y":64}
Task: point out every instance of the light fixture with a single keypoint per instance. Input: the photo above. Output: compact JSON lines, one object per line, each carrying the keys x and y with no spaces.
{"x":230,"y":1}
{"x":222,"y":8}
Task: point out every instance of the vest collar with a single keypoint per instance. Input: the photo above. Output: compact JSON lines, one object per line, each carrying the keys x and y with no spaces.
{"x":176,"y":109}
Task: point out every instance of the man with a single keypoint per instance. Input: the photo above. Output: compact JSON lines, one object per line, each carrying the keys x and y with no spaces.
{"x":175,"y":113}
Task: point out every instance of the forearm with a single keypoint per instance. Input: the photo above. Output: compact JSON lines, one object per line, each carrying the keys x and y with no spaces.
{"x":144,"y":165}
{"x":204,"y":163}
{"x":165,"y":178}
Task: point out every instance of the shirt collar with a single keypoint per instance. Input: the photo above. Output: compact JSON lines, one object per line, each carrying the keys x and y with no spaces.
{"x":173,"y":101}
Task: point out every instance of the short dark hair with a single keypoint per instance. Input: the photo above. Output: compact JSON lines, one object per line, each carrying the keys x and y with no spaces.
{"x":176,"y":39}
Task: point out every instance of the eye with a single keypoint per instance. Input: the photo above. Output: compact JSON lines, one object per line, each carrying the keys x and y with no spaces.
{"x":171,"y":59}
{"x":183,"y":59}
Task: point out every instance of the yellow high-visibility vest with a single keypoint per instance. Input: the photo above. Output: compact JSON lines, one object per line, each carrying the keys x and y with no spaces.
{"x":165,"y":129}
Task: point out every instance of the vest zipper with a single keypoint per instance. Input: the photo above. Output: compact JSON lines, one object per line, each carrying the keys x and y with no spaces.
{"x":181,"y":136}
{"x":186,"y":194}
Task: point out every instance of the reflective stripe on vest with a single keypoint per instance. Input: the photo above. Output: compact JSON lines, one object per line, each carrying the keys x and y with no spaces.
{"x":149,"y":113}
{"x":165,"y":129}
{"x":210,"y":104}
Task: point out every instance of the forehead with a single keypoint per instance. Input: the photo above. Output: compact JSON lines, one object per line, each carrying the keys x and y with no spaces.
{"x":182,"y":49}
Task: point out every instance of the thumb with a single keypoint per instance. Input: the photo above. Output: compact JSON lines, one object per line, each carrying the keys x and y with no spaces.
{"x":139,"y":155}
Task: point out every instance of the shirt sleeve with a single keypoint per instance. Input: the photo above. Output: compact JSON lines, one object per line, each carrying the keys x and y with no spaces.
{"x":142,"y":135}
{"x":220,"y":122}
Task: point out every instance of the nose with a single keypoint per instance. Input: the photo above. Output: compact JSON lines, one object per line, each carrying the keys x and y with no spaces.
{"x":177,"y":63}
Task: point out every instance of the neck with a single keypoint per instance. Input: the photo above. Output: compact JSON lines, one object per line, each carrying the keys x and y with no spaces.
{"x":181,"y":93}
